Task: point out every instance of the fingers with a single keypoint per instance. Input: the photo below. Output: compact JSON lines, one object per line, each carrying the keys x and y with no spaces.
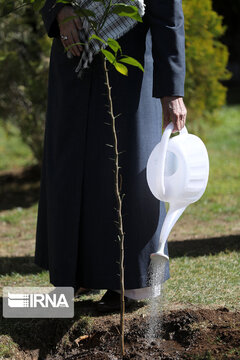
{"x":72,"y":37}
{"x":78,"y":23}
{"x":70,"y":29}
{"x":174,"y":110}
{"x":76,"y":39}
{"x":69,"y":42}
{"x":175,"y":113}
{"x":166,"y":117}
{"x":183,"y":113}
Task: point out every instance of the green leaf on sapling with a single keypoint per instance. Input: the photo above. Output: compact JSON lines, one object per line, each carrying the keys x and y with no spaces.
{"x":74,"y":44}
{"x":121,"y":68}
{"x":97,"y":38}
{"x":110,"y":57}
{"x":85,"y":12}
{"x":126,"y":10}
{"x":59,"y":1}
{"x":131,"y":61}
{"x":114,"y":45}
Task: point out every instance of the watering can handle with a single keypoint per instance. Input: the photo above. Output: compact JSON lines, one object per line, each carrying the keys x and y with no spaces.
{"x":164,"y":144}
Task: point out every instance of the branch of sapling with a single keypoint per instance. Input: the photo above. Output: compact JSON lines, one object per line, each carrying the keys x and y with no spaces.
{"x":105,"y":15}
{"x":117,"y":62}
{"x":70,"y":46}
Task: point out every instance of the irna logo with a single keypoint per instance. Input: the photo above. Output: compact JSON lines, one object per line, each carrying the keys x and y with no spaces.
{"x":38,"y":301}
{"x":35,"y":300}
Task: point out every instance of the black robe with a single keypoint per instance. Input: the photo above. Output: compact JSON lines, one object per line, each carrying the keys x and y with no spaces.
{"x":76,"y":234}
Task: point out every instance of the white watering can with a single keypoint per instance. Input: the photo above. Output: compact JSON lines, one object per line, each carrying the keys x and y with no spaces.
{"x":177,"y":173}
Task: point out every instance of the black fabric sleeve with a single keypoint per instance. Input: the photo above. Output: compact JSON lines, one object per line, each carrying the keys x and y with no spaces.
{"x":49,"y":13}
{"x":166,"y":22}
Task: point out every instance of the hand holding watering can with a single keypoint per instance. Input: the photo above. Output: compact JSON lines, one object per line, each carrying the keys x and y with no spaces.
{"x":174,"y":109}
{"x":177,"y":172}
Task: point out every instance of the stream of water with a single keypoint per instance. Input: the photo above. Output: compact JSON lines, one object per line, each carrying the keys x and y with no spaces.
{"x":156,"y":276}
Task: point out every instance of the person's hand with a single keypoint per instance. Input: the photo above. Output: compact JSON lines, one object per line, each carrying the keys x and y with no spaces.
{"x":174,"y":110}
{"x":70,"y":29}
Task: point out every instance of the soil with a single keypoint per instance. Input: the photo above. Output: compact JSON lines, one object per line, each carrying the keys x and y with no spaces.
{"x":184,"y":334}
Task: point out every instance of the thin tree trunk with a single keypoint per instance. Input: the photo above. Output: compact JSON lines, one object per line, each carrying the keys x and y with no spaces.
{"x":119,"y":207}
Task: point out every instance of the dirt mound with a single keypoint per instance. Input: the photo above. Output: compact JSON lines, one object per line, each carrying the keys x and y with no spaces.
{"x":184,"y":334}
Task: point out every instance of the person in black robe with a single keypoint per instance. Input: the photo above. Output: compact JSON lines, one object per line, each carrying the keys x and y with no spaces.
{"x":76,"y":234}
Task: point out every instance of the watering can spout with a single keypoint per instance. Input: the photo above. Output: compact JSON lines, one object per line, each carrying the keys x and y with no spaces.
{"x":171,"y":218}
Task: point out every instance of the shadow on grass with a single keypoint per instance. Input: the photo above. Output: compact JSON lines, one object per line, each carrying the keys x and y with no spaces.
{"x":201,"y":247}
{"x":20,"y":189}
{"x":21,"y":265}
{"x":196,"y":247}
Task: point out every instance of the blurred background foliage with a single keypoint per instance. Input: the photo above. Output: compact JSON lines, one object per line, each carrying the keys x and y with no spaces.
{"x":24,"y":61}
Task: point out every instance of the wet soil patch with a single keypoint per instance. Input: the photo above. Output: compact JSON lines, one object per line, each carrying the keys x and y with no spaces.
{"x":185,"y":334}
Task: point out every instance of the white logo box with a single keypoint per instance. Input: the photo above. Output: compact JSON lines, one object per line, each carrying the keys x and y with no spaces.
{"x":38,"y":302}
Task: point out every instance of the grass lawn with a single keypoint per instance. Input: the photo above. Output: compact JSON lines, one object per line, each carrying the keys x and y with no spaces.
{"x":204,"y":245}
{"x":218,"y":211}
{"x":14,"y":153}
{"x":215,"y":263}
